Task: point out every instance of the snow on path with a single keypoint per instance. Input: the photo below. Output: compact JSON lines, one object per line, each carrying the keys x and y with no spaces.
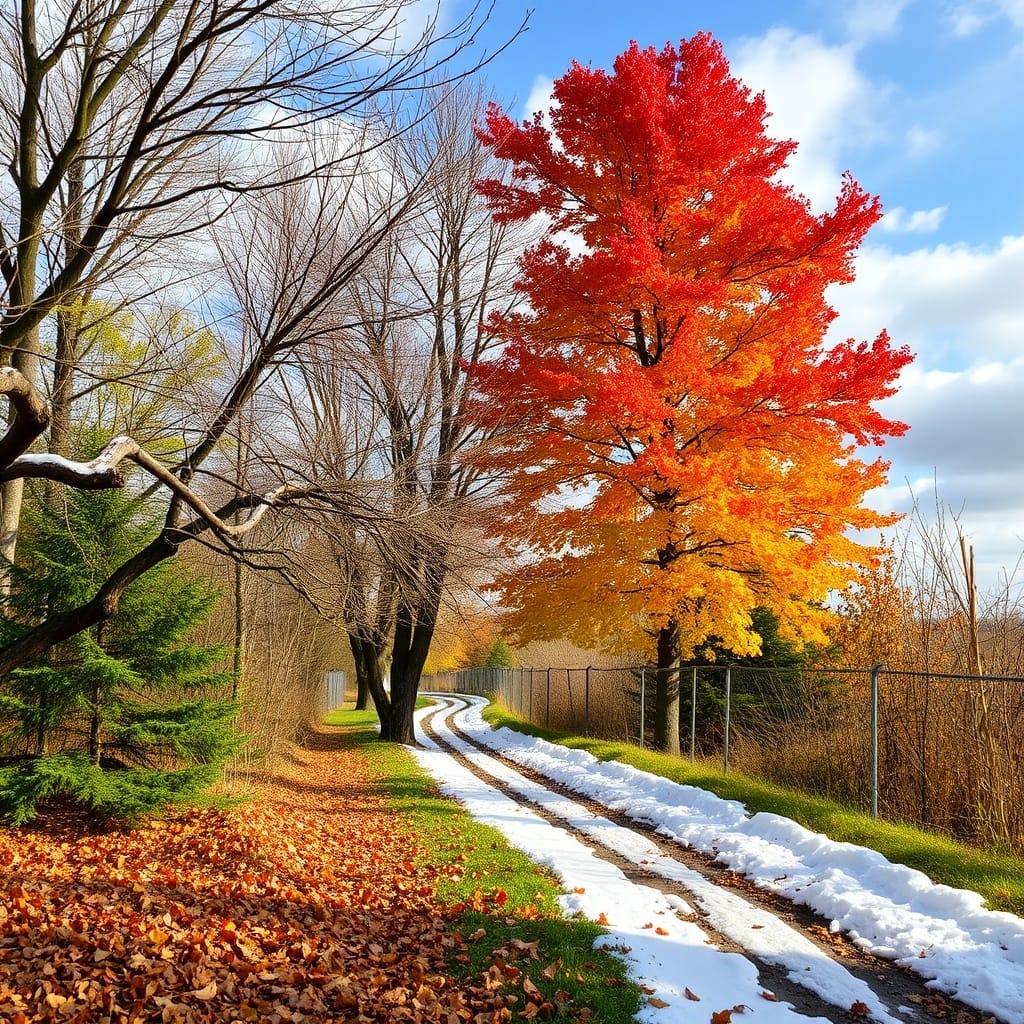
{"x":757,"y":930}
{"x":944,"y":934}
{"x":666,"y":964}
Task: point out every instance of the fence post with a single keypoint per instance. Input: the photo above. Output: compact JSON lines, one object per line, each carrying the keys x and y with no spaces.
{"x":643,"y":700}
{"x":728,"y":709}
{"x":547,"y":709}
{"x":875,"y":672}
{"x":693,"y":718}
{"x":586,"y":704}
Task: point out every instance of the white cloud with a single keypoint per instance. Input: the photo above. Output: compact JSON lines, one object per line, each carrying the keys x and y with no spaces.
{"x":971,"y":16}
{"x":959,"y":309}
{"x":922,"y":142}
{"x":921,"y":222}
{"x":873,"y":19}
{"x":966,"y":22}
{"x":817,"y":96}
{"x":539,"y":101}
{"x":954,"y":304}
{"x":966,"y":424}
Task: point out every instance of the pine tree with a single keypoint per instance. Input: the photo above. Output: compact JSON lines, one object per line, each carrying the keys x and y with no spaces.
{"x":127,"y":717}
{"x":500,"y":655}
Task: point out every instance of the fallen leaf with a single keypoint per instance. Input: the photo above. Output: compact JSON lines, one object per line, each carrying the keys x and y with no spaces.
{"x":658,"y":1004}
{"x":532,"y":992}
{"x":692,"y":996}
{"x":859,"y":1009}
{"x":721,"y":1017}
{"x":207,"y":992}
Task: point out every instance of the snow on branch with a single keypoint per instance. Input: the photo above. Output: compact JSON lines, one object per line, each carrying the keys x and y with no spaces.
{"x":31,"y":417}
{"x":104,"y":472}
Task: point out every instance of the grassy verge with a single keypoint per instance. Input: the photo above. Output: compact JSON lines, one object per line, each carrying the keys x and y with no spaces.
{"x":506,"y":904}
{"x":998,"y":877}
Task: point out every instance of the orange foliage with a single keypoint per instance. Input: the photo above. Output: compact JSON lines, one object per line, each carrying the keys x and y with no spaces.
{"x":462,"y":637}
{"x":876,"y":623}
{"x":678,"y":441}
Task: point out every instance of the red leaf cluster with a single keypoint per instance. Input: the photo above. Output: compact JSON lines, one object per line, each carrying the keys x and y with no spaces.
{"x":302,"y":905}
{"x":675,"y":431}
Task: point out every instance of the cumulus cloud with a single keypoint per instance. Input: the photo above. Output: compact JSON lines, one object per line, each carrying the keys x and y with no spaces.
{"x":965,"y":424}
{"x":954,"y":304}
{"x":920,"y":222}
{"x":873,"y":19}
{"x":817,"y":96}
{"x":539,"y":101}
{"x":959,"y":309}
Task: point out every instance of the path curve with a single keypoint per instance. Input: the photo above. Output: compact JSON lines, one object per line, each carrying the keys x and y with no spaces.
{"x":778,"y":962}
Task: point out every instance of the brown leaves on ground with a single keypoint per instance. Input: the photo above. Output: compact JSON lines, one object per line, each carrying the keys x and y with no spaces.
{"x":303,"y":905}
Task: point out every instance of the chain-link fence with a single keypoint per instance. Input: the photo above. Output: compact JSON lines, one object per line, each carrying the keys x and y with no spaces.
{"x":939,"y":750}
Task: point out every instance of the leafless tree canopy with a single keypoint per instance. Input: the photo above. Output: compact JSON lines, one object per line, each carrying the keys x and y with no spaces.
{"x":243,"y":164}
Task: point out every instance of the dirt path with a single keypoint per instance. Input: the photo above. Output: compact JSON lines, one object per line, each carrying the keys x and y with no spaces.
{"x":901,"y":992}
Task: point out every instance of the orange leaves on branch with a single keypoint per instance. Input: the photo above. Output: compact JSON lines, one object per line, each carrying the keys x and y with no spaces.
{"x":674,"y":434}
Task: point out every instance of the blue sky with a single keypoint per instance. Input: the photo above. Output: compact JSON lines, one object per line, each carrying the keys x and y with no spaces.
{"x":923,"y":101}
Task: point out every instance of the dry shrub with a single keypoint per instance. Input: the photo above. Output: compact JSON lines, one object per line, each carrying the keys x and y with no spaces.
{"x":287,"y":649}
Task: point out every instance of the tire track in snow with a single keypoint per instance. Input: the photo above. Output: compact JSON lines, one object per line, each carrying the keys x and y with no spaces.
{"x":762,"y":934}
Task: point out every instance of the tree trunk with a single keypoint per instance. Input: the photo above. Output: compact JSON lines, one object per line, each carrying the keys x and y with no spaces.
{"x":367,"y":661}
{"x":94,"y":724}
{"x":69,"y":322}
{"x":397,"y":725}
{"x":95,"y":719}
{"x":666,"y":707}
{"x":362,"y":691}
{"x":414,"y":630}
{"x":238,"y":657}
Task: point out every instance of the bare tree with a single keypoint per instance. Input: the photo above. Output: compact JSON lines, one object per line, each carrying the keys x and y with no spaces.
{"x":140,"y":103}
{"x":122,"y":125}
{"x":420,"y":317}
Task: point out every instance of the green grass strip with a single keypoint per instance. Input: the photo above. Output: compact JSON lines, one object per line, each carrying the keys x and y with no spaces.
{"x":504,"y":900}
{"x":998,"y":877}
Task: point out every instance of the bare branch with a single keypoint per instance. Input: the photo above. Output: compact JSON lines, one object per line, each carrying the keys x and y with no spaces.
{"x":31,"y":416}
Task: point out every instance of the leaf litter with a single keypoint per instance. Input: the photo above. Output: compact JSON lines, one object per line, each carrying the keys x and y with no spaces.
{"x":304,"y":904}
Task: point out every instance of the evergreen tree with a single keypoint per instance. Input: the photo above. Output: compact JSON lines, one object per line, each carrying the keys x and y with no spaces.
{"x":127,"y":717}
{"x":768,"y":686}
{"x":500,"y":655}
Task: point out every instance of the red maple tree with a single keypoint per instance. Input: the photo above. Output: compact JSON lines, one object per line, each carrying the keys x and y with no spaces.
{"x":679,"y":439}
